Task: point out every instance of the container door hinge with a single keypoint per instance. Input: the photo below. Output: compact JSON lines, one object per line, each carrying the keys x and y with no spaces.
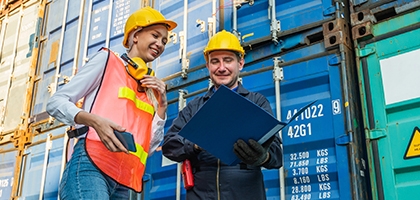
{"x":343,"y":140}
{"x":275,"y":27}
{"x":211,"y":27}
{"x":173,"y":37}
{"x":201,"y":24}
{"x":376,"y":134}
{"x":238,"y":3}
{"x":185,"y":67}
{"x":185,"y":61}
{"x":182,"y":101}
{"x":365,"y":52}
{"x":278,"y":74}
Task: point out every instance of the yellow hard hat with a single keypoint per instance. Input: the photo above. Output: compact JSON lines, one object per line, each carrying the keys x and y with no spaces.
{"x":145,"y":17}
{"x":223,"y":40}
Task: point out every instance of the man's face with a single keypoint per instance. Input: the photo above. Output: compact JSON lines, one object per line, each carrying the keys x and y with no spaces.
{"x":224,"y":68}
{"x":149,"y":43}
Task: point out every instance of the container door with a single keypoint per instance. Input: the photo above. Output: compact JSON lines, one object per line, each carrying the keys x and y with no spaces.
{"x":197,"y":21}
{"x":7,"y":170}
{"x":18,"y":33}
{"x":317,"y":145}
{"x":43,"y":165}
{"x":389,"y":73}
{"x":323,"y":158}
{"x":105,"y":24}
{"x":383,"y":7}
{"x":271,"y":20}
{"x":59,"y":52}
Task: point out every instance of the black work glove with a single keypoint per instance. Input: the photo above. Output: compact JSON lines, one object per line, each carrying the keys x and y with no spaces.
{"x":253,"y":154}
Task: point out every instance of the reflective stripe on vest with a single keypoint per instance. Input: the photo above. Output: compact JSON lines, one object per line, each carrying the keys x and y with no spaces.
{"x":127,"y":93}
{"x":117,"y":99}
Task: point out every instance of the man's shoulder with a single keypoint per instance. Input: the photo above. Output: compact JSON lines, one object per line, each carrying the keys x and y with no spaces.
{"x":197,"y":100}
{"x":252,"y":94}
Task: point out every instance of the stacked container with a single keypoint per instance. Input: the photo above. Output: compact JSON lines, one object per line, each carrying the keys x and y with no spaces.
{"x":18,"y":54}
{"x":386,"y":35}
{"x":65,"y":33}
{"x":360,"y":140}
{"x":296,"y":52}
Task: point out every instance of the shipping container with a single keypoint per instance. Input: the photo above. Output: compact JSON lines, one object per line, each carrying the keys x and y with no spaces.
{"x":18,"y":53}
{"x":42,"y":168}
{"x":7,"y":169}
{"x":254,"y":22}
{"x":323,"y":149}
{"x":383,"y":8}
{"x":364,"y":13}
{"x":318,"y":149}
{"x":65,"y":33}
{"x":18,"y":33}
{"x":388,"y":67}
{"x":359,"y":140}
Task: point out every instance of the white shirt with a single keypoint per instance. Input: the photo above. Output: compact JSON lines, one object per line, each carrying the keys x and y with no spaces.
{"x":85,"y":84}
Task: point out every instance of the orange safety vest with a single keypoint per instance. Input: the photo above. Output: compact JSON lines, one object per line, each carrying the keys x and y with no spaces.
{"x":119,"y":100}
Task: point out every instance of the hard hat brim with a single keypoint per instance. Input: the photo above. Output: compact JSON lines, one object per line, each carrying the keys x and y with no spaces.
{"x":169,"y":24}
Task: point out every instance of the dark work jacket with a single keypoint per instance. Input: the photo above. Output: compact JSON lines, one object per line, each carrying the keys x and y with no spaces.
{"x":235,"y":182}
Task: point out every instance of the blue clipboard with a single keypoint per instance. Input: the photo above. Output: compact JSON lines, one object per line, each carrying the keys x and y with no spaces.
{"x":226,"y":117}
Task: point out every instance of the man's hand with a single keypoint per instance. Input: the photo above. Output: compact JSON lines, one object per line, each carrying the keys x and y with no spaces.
{"x":253,"y":154}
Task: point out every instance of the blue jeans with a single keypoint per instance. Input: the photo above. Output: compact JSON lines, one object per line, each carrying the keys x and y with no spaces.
{"x":82,"y":180}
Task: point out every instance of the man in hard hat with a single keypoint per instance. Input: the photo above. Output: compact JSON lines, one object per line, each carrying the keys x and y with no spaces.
{"x":124,"y":108}
{"x":213,"y":179}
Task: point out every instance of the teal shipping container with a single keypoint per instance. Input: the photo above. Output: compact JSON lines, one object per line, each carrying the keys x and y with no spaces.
{"x":388,"y":53}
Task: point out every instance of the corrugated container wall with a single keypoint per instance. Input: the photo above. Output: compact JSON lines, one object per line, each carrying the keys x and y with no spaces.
{"x":18,"y":29}
{"x":343,"y":147}
{"x":18,"y":54}
{"x":68,"y":33}
{"x":388,"y":48}
{"x":296,"y":52}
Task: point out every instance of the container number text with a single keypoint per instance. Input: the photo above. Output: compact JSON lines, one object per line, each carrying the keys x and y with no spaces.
{"x":304,"y":129}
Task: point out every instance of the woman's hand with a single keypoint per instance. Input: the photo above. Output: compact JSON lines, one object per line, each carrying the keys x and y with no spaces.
{"x":104,"y":128}
{"x":159,"y":90}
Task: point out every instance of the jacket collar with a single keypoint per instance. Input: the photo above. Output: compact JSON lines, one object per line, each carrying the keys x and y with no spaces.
{"x":241,"y":90}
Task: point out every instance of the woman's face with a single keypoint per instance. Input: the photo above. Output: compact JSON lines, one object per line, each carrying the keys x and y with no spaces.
{"x":149,"y":43}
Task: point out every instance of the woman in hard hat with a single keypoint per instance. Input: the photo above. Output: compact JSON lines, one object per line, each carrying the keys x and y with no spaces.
{"x":121,"y":94}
